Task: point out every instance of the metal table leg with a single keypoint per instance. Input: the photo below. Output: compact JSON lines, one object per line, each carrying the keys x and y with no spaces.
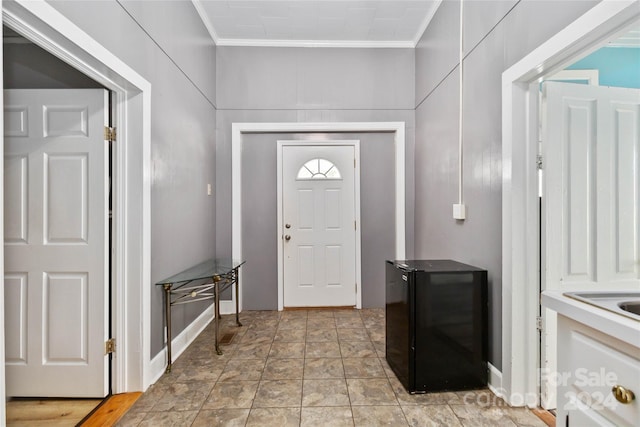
{"x":216,"y":281}
{"x":237,"y":280}
{"x":167,"y":313}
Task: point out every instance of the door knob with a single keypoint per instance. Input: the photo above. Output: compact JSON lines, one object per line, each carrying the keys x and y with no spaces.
{"x":622,"y":394}
{"x":287,"y":237}
{"x":287,"y":225}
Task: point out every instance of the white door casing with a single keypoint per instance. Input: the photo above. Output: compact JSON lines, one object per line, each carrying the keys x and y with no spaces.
{"x":240,"y":129}
{"x":518,"y":380}
{"x":45,"y":26}
{"x":56,"y":242}
{"x":318,"y":227}
{"x":591,"y":181}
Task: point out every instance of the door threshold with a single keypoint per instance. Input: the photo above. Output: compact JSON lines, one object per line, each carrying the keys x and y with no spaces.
{"x":340,"y":307}
{"x":548,"y":417}
{"x":111,"y":409}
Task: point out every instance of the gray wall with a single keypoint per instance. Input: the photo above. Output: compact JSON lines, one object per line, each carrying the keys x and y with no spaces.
{"x":168,"y":45}
{"x":310,"y":85}
{"x":259,"y":222}
{"x":497,"y":34}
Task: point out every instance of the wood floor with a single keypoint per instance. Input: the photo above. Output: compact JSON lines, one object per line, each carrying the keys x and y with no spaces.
{"x":69,"y":412}
{"x":48,"y":412}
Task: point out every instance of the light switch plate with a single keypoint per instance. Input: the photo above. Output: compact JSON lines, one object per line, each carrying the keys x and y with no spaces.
{"x":208,"y":189}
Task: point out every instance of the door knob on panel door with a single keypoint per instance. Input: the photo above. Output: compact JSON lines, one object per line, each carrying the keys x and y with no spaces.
{"x":287,"y":237}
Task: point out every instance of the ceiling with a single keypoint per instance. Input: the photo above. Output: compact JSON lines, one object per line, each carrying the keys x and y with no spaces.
{"x":339,"y":23}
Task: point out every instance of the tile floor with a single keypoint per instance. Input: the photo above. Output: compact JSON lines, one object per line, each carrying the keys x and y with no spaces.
{"x":305,"y":368}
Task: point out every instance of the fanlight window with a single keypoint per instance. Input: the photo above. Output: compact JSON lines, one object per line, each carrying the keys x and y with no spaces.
{"x":318,"y":169}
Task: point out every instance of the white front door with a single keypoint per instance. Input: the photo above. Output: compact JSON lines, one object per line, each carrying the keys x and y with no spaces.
{"x":319,"y":225}
{"x":591,"y":149}
{"x":56,"y":242}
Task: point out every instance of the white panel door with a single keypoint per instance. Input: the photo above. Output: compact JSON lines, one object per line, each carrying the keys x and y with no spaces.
{"x":56,"y":211}
{"x":319,"y":214}
{"x":591,"y":148}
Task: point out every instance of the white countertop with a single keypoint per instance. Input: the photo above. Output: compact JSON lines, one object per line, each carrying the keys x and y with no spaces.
{"x":615,"y":325}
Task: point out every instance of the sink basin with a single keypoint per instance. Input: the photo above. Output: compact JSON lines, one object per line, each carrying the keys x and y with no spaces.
{"x":624,"y":303}
{"x":630,"y":306}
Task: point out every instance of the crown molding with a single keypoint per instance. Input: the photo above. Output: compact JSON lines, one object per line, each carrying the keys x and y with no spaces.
{"x":197,"y":4}
{"x":316,"y":43}
{"x":426,"y":22}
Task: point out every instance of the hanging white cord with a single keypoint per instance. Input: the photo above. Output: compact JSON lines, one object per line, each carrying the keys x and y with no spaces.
{"x":460,"y":120}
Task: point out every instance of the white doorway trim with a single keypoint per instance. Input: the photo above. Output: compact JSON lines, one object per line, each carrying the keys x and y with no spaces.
{"x":238,"y":129}
{"x":356,"y":146}
{"x":45,"y":26}
{"x":520,"y":222}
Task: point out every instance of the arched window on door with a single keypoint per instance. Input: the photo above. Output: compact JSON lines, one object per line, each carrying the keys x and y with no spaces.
{"x":318,"y":169}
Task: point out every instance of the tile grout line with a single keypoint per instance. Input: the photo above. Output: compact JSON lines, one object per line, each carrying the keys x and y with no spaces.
{"x":304,"y":365}
{"x":344,"y":372}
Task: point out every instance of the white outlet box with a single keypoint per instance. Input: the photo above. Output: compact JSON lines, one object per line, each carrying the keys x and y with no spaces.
{"x":459,"y":212}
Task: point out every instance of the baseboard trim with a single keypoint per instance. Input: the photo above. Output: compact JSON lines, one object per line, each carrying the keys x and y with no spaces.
{"x":180,"y":343}
{"x":495,"y":381}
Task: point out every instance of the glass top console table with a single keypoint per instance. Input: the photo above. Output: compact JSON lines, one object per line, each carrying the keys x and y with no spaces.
{"x":201,"y":282}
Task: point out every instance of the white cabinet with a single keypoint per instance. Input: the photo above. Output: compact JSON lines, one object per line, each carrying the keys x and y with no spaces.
{"x":591,"y":365}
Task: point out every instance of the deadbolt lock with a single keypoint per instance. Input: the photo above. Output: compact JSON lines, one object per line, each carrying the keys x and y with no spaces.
{"x":287,"y":226}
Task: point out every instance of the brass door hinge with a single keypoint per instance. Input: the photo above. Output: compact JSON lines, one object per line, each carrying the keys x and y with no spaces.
{"x":109,"y":133}
{"x":110,"y":346}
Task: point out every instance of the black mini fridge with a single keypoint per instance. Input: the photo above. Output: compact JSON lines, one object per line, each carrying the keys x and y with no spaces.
{"x":436,"y":325}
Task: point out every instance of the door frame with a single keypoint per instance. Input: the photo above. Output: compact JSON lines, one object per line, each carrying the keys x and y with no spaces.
{"x":517,"y":383}
{"x":329,"y":143}
{"x":238,"y":129}
{"x":131,"y":289}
